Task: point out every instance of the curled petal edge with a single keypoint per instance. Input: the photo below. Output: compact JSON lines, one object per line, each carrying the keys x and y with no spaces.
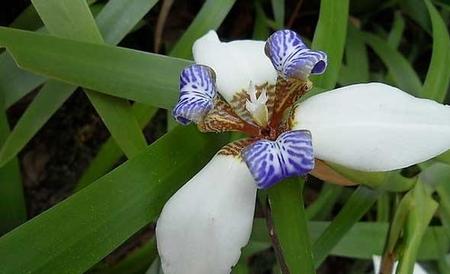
{"x":292,"y":58}
{"x":197,"y":93}
{"x":271,"y":161}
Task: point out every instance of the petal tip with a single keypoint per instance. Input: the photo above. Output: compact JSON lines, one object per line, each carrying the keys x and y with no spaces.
{"x":197,"y":92}
{"x":292,"y":58}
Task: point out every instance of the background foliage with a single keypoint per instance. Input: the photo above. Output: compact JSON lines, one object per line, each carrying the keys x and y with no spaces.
{"x":81,"y":183}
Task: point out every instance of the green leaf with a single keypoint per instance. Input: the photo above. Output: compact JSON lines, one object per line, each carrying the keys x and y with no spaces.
{"x":137,"y":261}
{"x":114,"y":22}
{"x":109,"y":152}
{"x":437,"y":177}
{"x":396,"y":33}
{"x":354,"y":243}
{"x":422,"y":209}
{"x":117,"y":115}
{"x":415,"y":10}
{"x":119,"y":17}
{"x":143,"y":77}
{"x":438,"y":79}
{"x":397,"y":183}
{"x":28,"y":19}
{"x":289,"y":226}
{"x":444,"y":157}
{"x":72,"y":19}
{"x":278,"y":12}
{"x":115,"y":25}
{"x":323,"y":205}
{"x":356,"y":206}
{"x":401,"y":70}
{"x":329,"y":37}
{"x":356,"y":69}
{"x":15,"y":82}
{"x":211,"y":15}
{"x":68,"y":19}
{"x":81,"y":230}
{"x":12,"y":202}
{"x":49,"y":99}
{"x":260,"y":29}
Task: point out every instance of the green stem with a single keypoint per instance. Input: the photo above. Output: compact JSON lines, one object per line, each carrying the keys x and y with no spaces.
{"x":288,"y":226}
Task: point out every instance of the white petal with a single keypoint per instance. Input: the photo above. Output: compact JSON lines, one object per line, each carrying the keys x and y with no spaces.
{"x":236,"y":63}
{"x":203,"y":227}
{"x":374,"y":127}
{"x":377,"y":261}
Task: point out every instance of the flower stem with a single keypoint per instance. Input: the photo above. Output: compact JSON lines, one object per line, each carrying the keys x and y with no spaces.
{"x":288,"y":227}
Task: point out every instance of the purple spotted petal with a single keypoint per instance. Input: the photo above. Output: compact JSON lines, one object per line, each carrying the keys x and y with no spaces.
{"x":292,"y":58}
{"x":271,"y":161}
{"x":197,"y":92}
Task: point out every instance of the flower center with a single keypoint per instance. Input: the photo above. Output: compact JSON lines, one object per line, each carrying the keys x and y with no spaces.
{"x":256,"y":106}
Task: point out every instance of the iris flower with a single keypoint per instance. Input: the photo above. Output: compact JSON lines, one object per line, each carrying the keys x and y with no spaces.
{"x":253,"y":87}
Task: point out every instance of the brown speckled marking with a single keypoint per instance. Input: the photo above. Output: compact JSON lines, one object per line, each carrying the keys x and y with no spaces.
{"x":235,"y":148}
{"x":291,"y":118}
{"x":288,"y":91}
{"x":239,"y":99}
{"x":222,"y":118}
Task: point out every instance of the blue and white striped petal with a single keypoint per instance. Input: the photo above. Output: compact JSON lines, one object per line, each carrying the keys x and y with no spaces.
{"x":197,"y":92}
{"x":271,"y":161}
{"x":292,"y":58}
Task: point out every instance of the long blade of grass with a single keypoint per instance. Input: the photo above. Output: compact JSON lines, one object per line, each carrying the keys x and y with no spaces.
{"x":97,"y":219}
{"x":396,"y":33}
{"x":289,"y":224}
{"x":12,"y":201}
{"x":323,"y":205}
{"x":114,"y":24}
{"x":138,"y":261}
{"x":260,"y":29}
{"x":15,"y":82}
{"x":401,"y":70}
{"x":438,"y":79}
{"x":143,"y":77}
{"x":356,"y":206}
{"x":109,"y":154}
{"x":330,"y":35}
{"x":28,"y":19}
{"x":354,"y":243}
{"x":113,"y":21}
{"x":356,"y":69}
{"x":278,"y":7}
{"x":72,"y":19}
{"x":423,"y":208}
{"x":119,"y":17}
{"x":49,"y":99}
{"x":211,"y":15}
{"x":415,"y":10}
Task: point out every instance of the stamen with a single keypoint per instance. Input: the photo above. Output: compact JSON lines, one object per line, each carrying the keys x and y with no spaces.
{"x":257,"y":106}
